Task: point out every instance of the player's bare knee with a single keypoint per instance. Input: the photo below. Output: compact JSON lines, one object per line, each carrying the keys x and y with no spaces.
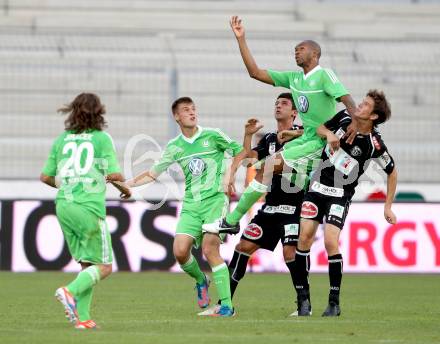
{"x":259,"y":177}
{"x":289,"y":253}
{"x":105,"y":270}
{"x":331,"y":246}
{"x":210,"y":250}
{"x":85,"y":265}
{"x":181,"y":254}
{"x":245,"y":246}
{"x":306,"y":239}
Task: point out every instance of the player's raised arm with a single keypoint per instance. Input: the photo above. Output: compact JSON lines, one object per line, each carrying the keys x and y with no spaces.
{"x":254,"y":71}
{"x":142,"y":179}
{"x":117,"y":180}
{"x":251,"y":127}
{"x":331,"y":138}
{"x":287,"y":135}
{"x":156,"y":170}
{"x":391,"y":192}
{"x":352,"y":129}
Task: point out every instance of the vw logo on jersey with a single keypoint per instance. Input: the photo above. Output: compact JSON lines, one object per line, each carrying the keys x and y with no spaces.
{"x":196,"y":166}
{"x":356,"y":151}
{"x":303,"y":103}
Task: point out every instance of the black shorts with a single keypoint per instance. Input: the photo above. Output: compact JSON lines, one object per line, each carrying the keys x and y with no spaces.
{"x":270,"y":226}
{"x":316,"y":206}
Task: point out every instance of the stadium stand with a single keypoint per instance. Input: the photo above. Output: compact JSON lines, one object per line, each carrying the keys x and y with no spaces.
{"x":139,"y":55}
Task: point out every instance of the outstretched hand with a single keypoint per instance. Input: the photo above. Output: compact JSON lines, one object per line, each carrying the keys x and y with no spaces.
{"x":333,"y":142}
{"x":352,"y":131}
{"x":124,"y":189}
{"x":236,"y":27}
{"x":231,"y":187}
{"x":287,"y":135}
{"x":390,"y":216}
{"x":252,"y":126}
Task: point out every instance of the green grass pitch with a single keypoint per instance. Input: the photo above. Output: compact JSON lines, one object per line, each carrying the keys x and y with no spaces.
{"x":161,"y":308}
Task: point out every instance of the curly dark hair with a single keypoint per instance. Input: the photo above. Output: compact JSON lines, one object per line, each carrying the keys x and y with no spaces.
{"x":85,"y":112}
{"x":382,"y":107}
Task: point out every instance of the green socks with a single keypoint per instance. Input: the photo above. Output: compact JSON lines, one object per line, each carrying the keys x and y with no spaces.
{"x":86,"y":279}
{"x":249,"y":197}
{"x":192,"y":268}
{"x":220,"y":274}
{"x":83,"y":304}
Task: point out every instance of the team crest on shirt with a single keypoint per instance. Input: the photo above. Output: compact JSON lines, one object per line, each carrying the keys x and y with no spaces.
{"x":272,"y":148}
{"x":303,"y":104}
{"x":196,"y":166}
{"x":356,"y":151}
{"x":205,"y":143}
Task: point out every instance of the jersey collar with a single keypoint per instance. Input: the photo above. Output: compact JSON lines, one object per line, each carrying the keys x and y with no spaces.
{"x":318,"y":67}
{"x":194,"y":137}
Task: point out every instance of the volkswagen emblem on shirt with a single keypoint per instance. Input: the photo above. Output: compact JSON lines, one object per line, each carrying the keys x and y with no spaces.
{"x":196,"y":166}
{"x":303,"y":104}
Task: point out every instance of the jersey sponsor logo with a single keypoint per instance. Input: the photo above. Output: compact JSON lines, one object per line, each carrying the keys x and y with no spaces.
{"x":196,"y":166}
{"x":272,"y":148}
{"x":309,"y":210}
{"x":253,"y":231}
{"x":288,"y":240}
{"x":327,"y":190}
{"x":376,"y":143}
{"x":337,"y":210}
{"x":280,"y":209}
{"x":384,"y":160}
{"x":342,"y":161}
{"x":291,"y":229}
{"x":303,"y":104}
{"x":356,"y":151}
{"x":340,"y":132}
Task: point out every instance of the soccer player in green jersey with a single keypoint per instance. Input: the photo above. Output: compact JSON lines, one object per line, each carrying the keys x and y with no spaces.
{"x":79,"y":160}
{"x":200,"y":152}
{"x":315,"y":91}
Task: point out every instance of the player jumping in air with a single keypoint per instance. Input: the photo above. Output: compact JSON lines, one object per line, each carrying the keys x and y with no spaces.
{"x":79,"y":160}
{"x":278,"y":219}
{"x":315,"y":91}
{"x":333,"y":186}
{"x":200,"y":152}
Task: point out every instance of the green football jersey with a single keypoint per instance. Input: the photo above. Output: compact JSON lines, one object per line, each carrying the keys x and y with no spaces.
{"x":79,"y":163}
{"x":314,"y":95}
{"x":202,"y":159}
